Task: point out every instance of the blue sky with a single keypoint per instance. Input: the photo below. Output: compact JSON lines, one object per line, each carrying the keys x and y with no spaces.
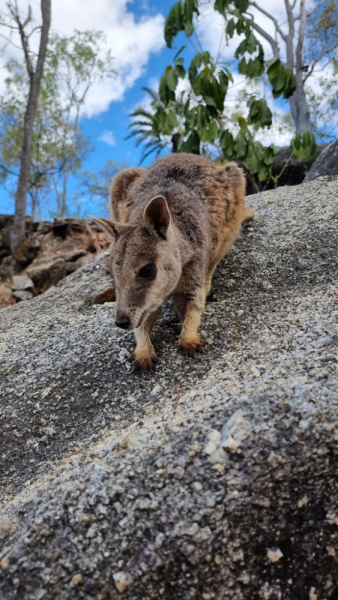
{"x":134,"y":32}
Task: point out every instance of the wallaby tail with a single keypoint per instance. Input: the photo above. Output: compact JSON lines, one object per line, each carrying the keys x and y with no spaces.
{"x":248,"y":214}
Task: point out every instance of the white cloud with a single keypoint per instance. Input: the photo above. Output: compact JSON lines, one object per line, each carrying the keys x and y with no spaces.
{"x":108,"y":138}
{"x":131,"y":42}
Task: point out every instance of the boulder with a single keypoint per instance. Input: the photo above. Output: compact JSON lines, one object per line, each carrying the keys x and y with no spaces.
{"x":213,"y":478}
{"x":9,"y":268}
{"x":23,"y":295}
{"x":326,"y":163}
{"x":294,"y":171}
{"x":22,"y":282}
{"x":6,"y":295}
{"x":47,"y":273}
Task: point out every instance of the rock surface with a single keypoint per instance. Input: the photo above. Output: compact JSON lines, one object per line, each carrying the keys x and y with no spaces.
{"x":210,"y":479}
{"x":47,"y":254}
{"x":325,"y":164}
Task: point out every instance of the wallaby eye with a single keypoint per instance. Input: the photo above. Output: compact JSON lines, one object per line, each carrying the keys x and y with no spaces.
{"x":147,"y":272}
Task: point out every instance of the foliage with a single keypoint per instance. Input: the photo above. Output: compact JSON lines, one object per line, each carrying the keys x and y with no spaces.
{"x":197,"y":114}
{"x":73,"y":64}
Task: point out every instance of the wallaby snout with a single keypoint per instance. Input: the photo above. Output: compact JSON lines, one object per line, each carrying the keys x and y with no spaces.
{"x":122,"y":320}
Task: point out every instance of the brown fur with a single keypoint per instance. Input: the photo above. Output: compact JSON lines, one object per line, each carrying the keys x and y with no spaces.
{"x":182,"y":215}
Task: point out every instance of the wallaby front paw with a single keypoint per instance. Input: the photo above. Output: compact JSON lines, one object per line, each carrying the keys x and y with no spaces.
{"x":142,"y":362}
{"x":108,"y":295}
{"x":189,"y":346}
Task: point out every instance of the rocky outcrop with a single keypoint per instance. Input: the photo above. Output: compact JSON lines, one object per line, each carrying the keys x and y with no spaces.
{"x":48,"y":253}
{"x":326,"y":163}
{"x":209,"y":479}
{"x":292,"y":171}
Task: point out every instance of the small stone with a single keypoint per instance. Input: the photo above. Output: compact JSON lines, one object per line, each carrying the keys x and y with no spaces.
{"x":230,"y":444}
{"x":218,"y":457}
{"x":121,"y":580}
{"x":156,"y":390}
{"x":77,"y":579}
{"x":193,"y":529}
{"x":7,"y":527}
{"x":275,"y":554}
{"x":218,"y":467}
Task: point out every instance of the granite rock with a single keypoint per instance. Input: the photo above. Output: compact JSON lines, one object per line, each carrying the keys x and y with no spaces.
{"x":221,"y":485}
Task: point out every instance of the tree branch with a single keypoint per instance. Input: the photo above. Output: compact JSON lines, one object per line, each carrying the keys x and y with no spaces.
{"x":301,"y":35}
{"x":24,"y":39}
{"x":318,"y":59}
{"x":275,"y":22}
{"x":309,"y":14}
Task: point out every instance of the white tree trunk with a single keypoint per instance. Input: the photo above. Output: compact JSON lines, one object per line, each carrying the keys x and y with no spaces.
{"x":300,"y":110}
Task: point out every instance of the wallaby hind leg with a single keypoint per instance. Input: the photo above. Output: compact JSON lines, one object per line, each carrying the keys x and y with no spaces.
{"x":248,"y":214}
{"x":144,"y":357}
{"x":208,"y":279}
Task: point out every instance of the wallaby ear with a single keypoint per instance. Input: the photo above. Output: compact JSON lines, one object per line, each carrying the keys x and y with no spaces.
{"x":122,"y":181}
{"x":156,"y":216}
{"x":114,"y":229}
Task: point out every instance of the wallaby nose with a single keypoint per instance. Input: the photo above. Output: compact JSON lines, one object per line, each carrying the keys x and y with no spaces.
{"x":123,"y":323}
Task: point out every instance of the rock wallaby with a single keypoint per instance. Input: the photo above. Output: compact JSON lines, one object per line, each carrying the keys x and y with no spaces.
{"x":172,"y":223}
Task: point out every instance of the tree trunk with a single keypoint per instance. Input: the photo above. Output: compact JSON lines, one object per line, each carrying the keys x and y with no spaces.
{"x":299,"y":108}
{"x":18,"y":230}
{"x":298,"y":103}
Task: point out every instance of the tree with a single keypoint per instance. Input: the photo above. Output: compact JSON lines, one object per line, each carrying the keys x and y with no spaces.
{"x":73,"y":64}
{"x":206,"y":82}
{"x":287,"y":44}
{"x":35,"y":72}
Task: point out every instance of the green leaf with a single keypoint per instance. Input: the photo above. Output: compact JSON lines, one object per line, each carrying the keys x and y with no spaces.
{"x":291,"y":84}
{"x":304,"y":146}
{"x":227,"y":143}
{"x":210,"y":100}
{"x":178,"y":53}
{"x":283,"y":80}
{"x":243,"y":125}
{"x":172,"y":119}
{"x":223,"y":86}
{"x":260,"y":114}
{"x":240,"y":146}
{"x":173,"y":23}
{"x":201,"y":85}
{"x":180,"y":71}
{"x":249,"y":44}
{"x":190,"y":7}
{"x":165,"y":93}
{"x":171,"y":78}
{"x":222,"y":6}
{"x":242,"y":5}
{"x":191,"y":144}
{"x":230,"y":28}
{"x":194,"y":66}
{"x":190,"y":119}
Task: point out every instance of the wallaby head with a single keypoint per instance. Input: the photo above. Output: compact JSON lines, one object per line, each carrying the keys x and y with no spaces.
{"x":144,"y":263}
